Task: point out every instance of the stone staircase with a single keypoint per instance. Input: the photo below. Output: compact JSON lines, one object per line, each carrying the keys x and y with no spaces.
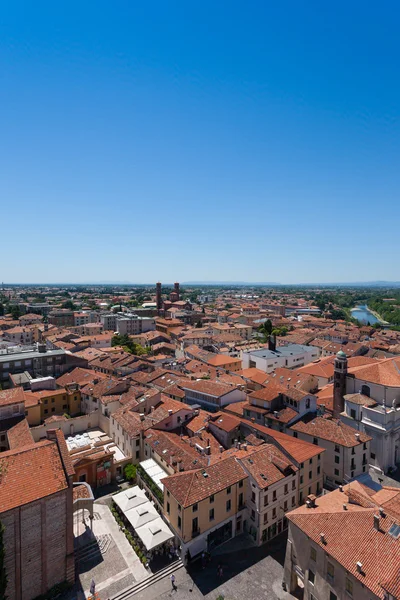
{"x":146,"y":583}
{"x":94,"y":549}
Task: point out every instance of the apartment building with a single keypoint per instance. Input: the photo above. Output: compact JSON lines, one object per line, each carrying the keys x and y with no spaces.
{"x":127,"y":323}
{"x":347,"y":452}
{"x":30,"y":319}
{"x":211,"y":395}
{"x":51,"y":402}
{"x":81,"y":318}
{"x":23,"y":336}
{"x":12,"y":411}
{"x":272,"y":490}
{"x":345,"y":545}
{"x":129,"y":423}
{"x":38,"y":361}
{"x":308,"y":458}
{"x":279,"y":406}
{"x":291,"y":356}
{"x":206,"y":507}
{"x":61,"y":317}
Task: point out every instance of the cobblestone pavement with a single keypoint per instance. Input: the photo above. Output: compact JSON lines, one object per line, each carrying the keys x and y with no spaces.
{"x":115,"y":569}
{"x":255,"y":573}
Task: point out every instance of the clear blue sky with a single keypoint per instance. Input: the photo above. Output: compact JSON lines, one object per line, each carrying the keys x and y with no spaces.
{"x":211,"y":140}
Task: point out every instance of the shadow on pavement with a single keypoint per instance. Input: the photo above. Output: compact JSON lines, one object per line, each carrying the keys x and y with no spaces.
{"x":235,"y":562}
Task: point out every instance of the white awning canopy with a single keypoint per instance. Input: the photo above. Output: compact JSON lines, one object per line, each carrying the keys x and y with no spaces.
{"x":143,"y":516}
{"x":154,"y":471}
{"x":154,"y":533}
{"x":130,"y":498}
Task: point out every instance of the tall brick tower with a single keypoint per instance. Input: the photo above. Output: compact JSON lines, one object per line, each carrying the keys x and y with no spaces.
{"x":176,"y":290}
{"x":339,"y":383}
{"x":158,"y":296}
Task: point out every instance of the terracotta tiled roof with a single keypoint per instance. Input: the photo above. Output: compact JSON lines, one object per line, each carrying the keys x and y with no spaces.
{"x":382,"y":372}
{"x":360,"y":399}
{"x":212,"y":388}
{"x":350,"y":536}
{"x":236,"y":408}
{"x":198,"y":422}
{"x":267,"y":465}
{"x":320,"y":368}
{"x":325,"y":397}
{"x":225,"y":422}
{"x":285,"y":415}
{"x":80,"y":491}
{"x":268,"y":393}
{"x":174,"y":449}
{"x":65,"y":455}
{"x":30,"y":473}
{"x":254,"y":374}
{"x":332,"y":430}
{"x":299,"y":450}
{"x":80,"y":376}
{"x":19,"y":435}
{"x":174,"y":390}
{"x":253,"y":440}
{"x":12,"y":396}
{"x":193,"y":486}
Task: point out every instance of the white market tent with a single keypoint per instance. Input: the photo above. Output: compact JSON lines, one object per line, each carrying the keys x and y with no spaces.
{"x":143,"y":516}
{"x":130,"y":498}
{"x":154,"y":533}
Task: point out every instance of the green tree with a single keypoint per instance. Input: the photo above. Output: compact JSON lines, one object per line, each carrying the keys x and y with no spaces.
{"x":68,"y":304}
{"x":266,"y":329}
{"x":1,"y":309}
{"x":198,"y":324}
{"x":130,"y":472}
{"x":15,"y":311}
{"x":3,"y":573}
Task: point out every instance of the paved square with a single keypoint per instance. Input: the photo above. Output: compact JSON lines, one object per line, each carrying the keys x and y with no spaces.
{"x":111,"y":562}
{"x":248,"y":573}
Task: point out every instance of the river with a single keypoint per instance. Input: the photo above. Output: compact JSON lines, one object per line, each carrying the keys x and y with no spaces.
{"x":364,"y":315}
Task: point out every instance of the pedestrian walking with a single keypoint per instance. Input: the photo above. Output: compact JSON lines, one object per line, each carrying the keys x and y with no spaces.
{"x":172,"y":578}
{"x":92,"y":587}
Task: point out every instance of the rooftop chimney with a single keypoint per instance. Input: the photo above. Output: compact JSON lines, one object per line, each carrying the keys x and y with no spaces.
{"x":359,"y":567}
{"x":376,"y":522}
{"x":221,"y":449}
{"x":344,"y":506}
{"x":170,"y":412}
{"x":323,"y":539}
{"x":141,"y":416}
{"x":340,"y":488}
{"x":272,"y":343}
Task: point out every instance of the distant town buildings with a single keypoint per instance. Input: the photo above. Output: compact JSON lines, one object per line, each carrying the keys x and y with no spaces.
{"x":241,"y":410}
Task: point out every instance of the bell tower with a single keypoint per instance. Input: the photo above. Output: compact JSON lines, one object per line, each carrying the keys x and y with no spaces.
{"x":158,"y":297}
{"x":339,"y":383}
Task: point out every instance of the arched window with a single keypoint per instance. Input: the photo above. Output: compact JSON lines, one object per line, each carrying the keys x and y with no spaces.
{"x":365,"y":390}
